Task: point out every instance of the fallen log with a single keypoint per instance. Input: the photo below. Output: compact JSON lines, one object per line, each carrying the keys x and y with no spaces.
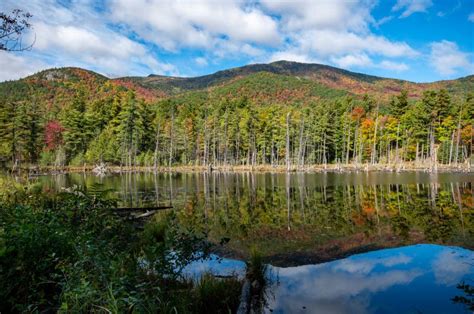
{"x":147,"y":214}
{"x":130,"y":209}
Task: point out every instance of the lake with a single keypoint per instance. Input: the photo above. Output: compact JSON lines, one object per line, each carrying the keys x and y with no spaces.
{"x":336,"y":242}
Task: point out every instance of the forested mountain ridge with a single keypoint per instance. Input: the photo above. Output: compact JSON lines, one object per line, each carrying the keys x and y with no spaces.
{"x":322,"y":77}
{"x":331,"y":77}
{"x":284,"y":113}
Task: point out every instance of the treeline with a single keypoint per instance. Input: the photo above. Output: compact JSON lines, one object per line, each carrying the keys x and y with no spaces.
{"x":197,"y":129}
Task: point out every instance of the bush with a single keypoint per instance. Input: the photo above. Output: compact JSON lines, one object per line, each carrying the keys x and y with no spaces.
{"x":47,"y":158}
{"x":70,"y":252}
{"x":78,"y":160}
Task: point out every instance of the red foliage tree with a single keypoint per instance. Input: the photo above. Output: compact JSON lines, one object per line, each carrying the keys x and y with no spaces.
{"x":53,"y":134}
{"x":357,"y":113}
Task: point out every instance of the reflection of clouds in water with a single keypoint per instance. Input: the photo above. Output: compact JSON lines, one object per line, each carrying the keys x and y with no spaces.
{"x":216,"y":266}
{"x":331,"y":290}
{"x":344,"y":286}
{"x":421,"y":277}
{"x":365,"y":266}
{"x":450,"y":266}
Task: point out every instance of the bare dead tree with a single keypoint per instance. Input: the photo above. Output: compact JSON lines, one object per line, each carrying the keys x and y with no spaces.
{"x":12,"y":28}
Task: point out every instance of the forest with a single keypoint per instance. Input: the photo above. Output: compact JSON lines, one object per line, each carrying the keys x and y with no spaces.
{"x":263,"y":119}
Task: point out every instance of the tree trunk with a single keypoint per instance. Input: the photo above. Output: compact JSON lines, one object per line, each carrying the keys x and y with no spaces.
{"x":287,"y":158}
{"x":374,"y":152}
{"x":157,"y":145}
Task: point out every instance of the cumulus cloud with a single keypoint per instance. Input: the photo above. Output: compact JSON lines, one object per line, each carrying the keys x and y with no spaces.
{"x":130,"y":37}
{"x":17,"y":66}
{"x":337,"y":14}
{"x":78,"y":35}
{"x":176,"y":24}
{"x":447,"y":59}
{"x":334,"y":32}
{"x":408,"y":7}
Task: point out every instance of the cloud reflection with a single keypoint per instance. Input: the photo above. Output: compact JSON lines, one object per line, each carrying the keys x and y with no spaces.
{"x":451,"y":266}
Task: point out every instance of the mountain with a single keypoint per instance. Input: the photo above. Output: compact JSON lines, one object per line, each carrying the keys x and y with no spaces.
{"x":330,"y":77}
{"x":280,"y":81}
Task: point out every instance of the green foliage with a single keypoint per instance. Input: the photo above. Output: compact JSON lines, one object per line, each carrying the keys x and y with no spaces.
{"x":71,"y":253}
{"x":256,"y":268}
{"x":235,"y":117}
{"x":216,"y":295}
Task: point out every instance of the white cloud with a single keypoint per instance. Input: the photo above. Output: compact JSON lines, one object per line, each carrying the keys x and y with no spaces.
{"x":332,"y":32}
{"x":353,"y":60}
{"x":333,"y":43}
{"x":471,"y":17}
{"x":78,"y":35}
{"x":411,"y":6}
{"x":201,"y":61}
{"x":337,"y":14}
{"x":393,"y":66}
{"x":15,"y":66}
{"x":176,"y":24}
{"x":291,"y":56}
{"x":382,"y":21}
{"x":447,"y":59}
{"x":126,"y":37}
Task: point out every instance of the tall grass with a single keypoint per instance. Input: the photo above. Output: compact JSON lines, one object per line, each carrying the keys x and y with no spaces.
{"x":256,"y":268}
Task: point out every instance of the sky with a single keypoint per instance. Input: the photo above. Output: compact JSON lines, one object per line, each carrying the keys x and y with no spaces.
{"x":415,"y":40}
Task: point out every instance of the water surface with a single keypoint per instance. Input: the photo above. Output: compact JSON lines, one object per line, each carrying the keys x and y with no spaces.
{"x":411,"y":279}
{"x":303,"y":218}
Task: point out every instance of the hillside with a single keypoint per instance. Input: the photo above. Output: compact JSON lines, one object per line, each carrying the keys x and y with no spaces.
{"x":280,"y":81}
{"x":331,"y":77}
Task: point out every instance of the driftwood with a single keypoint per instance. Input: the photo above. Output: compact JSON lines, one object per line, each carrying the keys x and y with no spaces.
{"x":131,"y":212}
{"x":144,"y":215}
{"x":130,"y":209}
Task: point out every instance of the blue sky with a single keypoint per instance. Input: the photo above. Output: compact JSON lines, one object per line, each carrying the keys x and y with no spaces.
{"x":416,"y":40}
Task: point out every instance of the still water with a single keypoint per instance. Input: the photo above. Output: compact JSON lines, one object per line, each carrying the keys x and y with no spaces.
{"x":417,"y":228}
{"x":303,"y":218}
{"x":413,"y":279}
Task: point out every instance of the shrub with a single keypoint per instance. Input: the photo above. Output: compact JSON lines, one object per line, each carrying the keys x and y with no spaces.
{"x":70,"y":252}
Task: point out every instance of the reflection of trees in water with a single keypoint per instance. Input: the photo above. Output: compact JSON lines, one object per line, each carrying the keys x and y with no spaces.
{"x":249,"y":206}
{"x":296,"y":206}
{"x":466,"y":297}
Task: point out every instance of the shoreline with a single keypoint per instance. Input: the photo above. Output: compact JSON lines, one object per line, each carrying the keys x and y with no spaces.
{"x":334,"y":168}
{"x":320,"y":255}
